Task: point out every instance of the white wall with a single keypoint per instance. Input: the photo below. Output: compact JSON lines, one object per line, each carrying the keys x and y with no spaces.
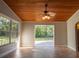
{"x":71,"y":30}
{"x":61,"y":33}
{"x":28,"y":33}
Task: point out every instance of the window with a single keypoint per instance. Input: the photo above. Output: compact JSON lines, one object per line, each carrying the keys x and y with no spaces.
{"x":4,"y":31}
{"x":14,"y":31}
{"x":8,"y":31}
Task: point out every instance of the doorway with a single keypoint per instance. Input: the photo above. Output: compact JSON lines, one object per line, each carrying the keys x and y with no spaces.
{"x":44,"y":35}
{"x":77,"y":36}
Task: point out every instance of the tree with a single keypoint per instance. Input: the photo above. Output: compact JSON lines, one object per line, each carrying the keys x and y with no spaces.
{"x":44,"y":31}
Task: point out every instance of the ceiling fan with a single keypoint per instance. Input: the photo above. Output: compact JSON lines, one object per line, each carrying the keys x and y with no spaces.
{"x":47,"y":14}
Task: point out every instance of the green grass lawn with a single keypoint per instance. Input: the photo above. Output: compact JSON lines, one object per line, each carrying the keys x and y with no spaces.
{"x":4,"y":40}
{"x":43,"y":39}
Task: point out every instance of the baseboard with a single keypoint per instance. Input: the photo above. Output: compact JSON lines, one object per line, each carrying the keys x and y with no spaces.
{"x":26,"y":47}
{"x":71,"y":48}
{"x":61,"y":45}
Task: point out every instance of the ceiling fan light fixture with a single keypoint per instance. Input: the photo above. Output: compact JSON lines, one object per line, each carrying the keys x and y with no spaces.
{"x":46,"y":17}
{"x":47,"y":14}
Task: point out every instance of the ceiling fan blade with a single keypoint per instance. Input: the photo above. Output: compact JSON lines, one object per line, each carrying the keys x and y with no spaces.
{"x":51,"y":13}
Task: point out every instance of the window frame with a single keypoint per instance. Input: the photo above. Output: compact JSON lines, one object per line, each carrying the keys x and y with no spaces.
{"x":10,"y":29}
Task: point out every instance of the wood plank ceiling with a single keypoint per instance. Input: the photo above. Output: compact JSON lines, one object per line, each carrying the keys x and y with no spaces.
{"x":32,"y":10}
